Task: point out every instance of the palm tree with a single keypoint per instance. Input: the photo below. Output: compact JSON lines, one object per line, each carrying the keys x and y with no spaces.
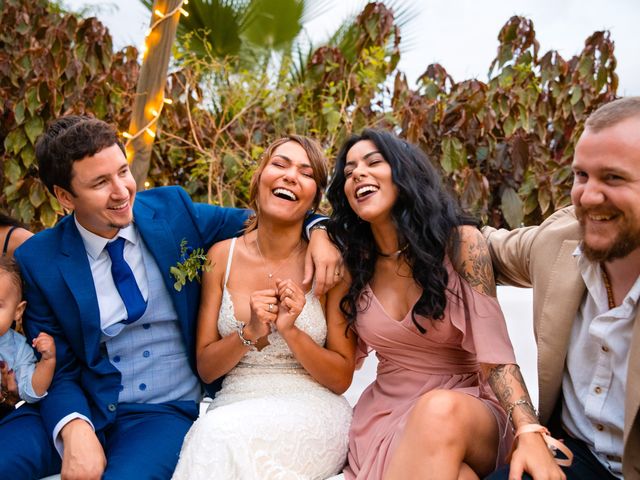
{"x":249,"y":30}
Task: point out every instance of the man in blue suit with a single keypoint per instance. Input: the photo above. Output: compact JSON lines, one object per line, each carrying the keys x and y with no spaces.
{"x":125,"y":391}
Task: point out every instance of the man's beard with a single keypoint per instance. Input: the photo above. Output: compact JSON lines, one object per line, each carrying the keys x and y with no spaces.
{"x":120,"y":226}
{"x":625,"y":242}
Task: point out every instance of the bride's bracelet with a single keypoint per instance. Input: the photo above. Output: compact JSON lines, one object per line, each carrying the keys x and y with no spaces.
{"x":245,"y":341}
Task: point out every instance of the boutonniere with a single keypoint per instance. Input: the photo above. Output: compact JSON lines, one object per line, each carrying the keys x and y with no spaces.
{"x":192,"y":262}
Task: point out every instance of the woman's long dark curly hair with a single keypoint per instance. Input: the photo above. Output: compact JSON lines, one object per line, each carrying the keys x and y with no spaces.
{"x":426,"y":217}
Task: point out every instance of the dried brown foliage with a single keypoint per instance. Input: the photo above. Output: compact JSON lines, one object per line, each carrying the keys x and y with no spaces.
{"x":504,"y":145}
{"x":507,"y":145}
{"x":52,"y":64}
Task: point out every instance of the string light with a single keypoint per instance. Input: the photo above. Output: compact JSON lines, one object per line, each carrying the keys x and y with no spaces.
{"x":154,"y":112}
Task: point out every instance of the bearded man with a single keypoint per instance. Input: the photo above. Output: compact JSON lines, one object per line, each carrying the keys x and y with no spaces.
{"x":583,"y":264}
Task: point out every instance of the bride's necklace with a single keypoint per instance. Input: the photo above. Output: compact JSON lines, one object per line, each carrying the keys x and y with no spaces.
{"x":278,"y":265}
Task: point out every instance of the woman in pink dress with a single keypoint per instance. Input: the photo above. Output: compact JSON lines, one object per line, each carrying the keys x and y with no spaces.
{"x":421,"y":294}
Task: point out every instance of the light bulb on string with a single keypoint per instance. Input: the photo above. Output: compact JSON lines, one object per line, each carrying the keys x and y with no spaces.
{"x":155,"y":113}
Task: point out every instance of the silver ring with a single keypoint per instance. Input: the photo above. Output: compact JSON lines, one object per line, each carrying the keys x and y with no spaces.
{"x":270,"y":307}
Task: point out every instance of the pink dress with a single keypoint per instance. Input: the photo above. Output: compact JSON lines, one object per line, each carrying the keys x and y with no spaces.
{"x":411,"y":364}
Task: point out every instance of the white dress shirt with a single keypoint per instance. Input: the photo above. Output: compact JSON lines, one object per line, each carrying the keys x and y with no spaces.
{"x":593,"y":384}
{"x":112,"y":308}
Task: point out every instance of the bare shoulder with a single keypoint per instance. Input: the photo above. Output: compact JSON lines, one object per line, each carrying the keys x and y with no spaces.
{"x":17,"y":238}
{"x":21,"y":235}
{"x":219,"y":251}
{"x":218,"y":256}
{"x":473,"y":260}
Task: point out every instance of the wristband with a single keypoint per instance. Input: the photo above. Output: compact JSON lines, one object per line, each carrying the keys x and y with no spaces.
{"x":552,"y":444}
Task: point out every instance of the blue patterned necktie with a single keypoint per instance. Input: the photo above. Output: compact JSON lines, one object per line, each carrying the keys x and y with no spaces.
{"x":125,"y":282}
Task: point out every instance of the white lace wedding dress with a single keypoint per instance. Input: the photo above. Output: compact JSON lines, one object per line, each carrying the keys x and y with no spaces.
{"x":271,"y":419}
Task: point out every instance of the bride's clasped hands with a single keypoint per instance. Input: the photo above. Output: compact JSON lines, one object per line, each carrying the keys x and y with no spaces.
{"x":291,"y":302}
{"x":275,"y":309}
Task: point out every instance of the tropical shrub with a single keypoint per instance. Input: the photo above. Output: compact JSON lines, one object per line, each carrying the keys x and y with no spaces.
{"x":51,"y":64}
{"x":504,"y":145}
{"x":221,"y":119}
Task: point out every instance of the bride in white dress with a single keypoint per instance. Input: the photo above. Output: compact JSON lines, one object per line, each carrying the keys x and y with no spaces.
{"x":280,"y":413}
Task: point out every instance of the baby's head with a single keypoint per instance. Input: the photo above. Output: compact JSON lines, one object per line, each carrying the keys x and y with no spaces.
{"x":11,"y":303}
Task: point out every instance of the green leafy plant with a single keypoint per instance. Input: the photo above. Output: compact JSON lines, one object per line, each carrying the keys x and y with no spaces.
{"x":52,"y":63}
{"x":192,"y":262}
{"x":506,"y":146}
{"x":503,"y":145}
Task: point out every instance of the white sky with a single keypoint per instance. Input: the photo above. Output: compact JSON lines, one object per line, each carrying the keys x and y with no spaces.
{"x":459,"y":34}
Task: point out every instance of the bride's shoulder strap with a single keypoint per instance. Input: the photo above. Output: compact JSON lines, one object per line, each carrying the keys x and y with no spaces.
{"x":231,"y":247}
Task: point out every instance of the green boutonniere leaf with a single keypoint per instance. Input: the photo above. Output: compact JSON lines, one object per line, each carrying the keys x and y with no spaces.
{"x":192,"y":262}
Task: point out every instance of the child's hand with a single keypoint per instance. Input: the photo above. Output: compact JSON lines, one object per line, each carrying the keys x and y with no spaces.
{"x":44,"y":344}
{"x":8,"y":387}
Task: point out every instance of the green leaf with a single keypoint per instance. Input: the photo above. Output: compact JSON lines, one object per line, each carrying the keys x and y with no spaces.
{"x":333,"y":120}
{"x":100,"y":106}
{"x":509,"y":126}
{"x":512,"y":207}
{"x":454,"y":155}
{"x":54,"y":203}
{"x":34,"y":128}
{"x":26,"y":211}
{"x":585,"y":66}
{"x":14,"y":142}
{"x":37,"y":195}
{"x":506,"y":54}
{"x":544,"y":199}
{"x":12,"y":170}
{"x":28,"y":156}
{"x":33,"y":102}
{"x":48,"y":216}
{"x":176,"y":272}
{"x":601,"y":79}
{"x":576,"y":95}
{"x":505,"y":79}
{"x":431,"y":91}
{"x":18,"y":112}
{"x":530,"y":204}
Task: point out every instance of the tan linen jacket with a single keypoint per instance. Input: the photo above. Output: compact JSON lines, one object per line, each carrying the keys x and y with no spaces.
{"x":541,"y":257}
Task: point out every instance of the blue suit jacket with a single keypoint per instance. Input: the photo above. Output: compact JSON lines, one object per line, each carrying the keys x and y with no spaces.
{"x":62,"y":300}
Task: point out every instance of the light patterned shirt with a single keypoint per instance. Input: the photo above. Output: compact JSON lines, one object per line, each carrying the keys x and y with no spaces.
{"x":593,"y":384}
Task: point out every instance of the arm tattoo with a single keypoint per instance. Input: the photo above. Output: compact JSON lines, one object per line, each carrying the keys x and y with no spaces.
{"x":476,"y":267}
{"x":504,"y":381}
